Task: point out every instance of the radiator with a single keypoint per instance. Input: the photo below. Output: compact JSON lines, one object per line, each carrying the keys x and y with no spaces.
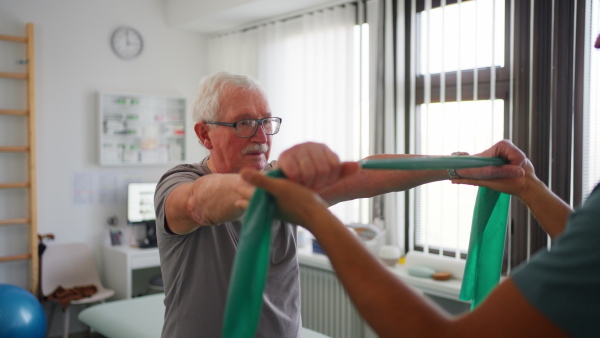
{"x":326,"y":307}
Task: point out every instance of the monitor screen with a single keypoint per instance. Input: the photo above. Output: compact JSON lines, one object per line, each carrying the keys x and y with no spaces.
{"x":140,"y":202}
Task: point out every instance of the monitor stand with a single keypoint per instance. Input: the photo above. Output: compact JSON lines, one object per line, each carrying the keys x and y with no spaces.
{"x":150,"y":240}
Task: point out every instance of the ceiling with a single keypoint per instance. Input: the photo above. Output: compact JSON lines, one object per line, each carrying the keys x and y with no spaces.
{"x":209,"y":16}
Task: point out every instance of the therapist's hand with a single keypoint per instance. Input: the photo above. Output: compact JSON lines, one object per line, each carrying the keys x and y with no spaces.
{"x":518,"y":186}
{"x":517,"y":178}
{"x":296,"y":204}
{"x":314,"y":165}
{"x":506,"y":150}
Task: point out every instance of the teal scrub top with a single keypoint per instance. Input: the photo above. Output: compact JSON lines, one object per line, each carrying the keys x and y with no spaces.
{"x":564,"y":282}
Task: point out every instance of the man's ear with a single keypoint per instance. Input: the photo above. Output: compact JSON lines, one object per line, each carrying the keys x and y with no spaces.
{"x":201,"y":130}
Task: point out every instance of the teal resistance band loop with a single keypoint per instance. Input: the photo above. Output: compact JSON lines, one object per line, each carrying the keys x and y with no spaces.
{"x":486,"y":246}
{"x":488,"y":230}
{"x":250,"y":267}
{"x":432,"y":163}
{"x":251,"y":263}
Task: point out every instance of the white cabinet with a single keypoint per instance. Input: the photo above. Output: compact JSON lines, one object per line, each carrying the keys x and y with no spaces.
{"x":120,"y":264}
{"x":141,"y":129}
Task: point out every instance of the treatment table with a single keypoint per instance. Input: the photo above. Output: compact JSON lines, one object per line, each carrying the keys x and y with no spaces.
{"x":140,"y":317}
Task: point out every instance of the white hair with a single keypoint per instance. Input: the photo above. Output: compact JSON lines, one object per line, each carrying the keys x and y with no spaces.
{"x":206,"y":104}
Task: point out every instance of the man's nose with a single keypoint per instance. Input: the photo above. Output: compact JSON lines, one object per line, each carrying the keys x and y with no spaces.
{"x":260,"y":135}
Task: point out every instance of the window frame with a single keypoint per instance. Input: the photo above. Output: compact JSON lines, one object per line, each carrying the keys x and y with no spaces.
{"x":546,"y":126}
{"x":467,"y":83}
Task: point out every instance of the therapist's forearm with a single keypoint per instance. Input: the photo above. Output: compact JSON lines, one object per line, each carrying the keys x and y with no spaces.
{"x":551,"y":212}
{"x":369,"y":183}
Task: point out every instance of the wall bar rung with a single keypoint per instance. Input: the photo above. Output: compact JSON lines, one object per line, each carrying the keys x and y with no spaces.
{"x":14,"y":221}
{"x":13,"y":38}
{"x":22,"y":112}
{"x":14,"y":149}
{"x":15,"y":258}
{"x":14,"y":185}
{"x":20,"y":76}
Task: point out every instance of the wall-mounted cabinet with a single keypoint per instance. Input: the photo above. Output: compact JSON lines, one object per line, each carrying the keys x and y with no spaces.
{"x":141,"y":129}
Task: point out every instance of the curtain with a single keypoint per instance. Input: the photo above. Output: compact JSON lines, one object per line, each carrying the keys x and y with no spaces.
{"x":527,"y":70}
{"x":309,"y":66}
{"x":457,"y":104}
{"x":387,"y":132}
{"x":591,"y":124}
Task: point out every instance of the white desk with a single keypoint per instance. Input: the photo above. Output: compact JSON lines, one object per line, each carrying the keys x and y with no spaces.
{"x":119,"y":263}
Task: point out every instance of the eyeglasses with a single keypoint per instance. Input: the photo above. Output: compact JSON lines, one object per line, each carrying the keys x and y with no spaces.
{"x":248,"y":127}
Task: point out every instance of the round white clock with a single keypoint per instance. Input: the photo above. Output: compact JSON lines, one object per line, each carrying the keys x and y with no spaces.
{"x":127,"y":42}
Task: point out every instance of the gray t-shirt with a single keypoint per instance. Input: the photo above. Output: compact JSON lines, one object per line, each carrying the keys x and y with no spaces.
{"x":196,"y":270}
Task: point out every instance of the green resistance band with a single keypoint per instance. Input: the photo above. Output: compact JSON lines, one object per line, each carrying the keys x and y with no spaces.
{"x":488,"y":230}
{"x":251,"y":264}
{"x":486,"y":246}
{"x":432,"y":162}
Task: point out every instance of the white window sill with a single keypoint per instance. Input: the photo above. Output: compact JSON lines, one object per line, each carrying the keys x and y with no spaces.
{"x":449,"y":289}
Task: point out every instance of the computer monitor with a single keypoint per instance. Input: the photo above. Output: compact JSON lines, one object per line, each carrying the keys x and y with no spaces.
{"x":140,"y":210}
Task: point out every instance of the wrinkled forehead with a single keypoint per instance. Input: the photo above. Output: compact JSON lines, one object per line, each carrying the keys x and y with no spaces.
{"x":239,"y":99}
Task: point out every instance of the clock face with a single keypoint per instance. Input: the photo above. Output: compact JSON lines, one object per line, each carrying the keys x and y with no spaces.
{"x":127,"y":42}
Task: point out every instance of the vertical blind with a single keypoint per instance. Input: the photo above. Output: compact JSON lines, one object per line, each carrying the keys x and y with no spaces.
{"x":483,"y":70}
{"x":477,"y":71}
{"x":591,"y":123}
{"x":459,"y":105}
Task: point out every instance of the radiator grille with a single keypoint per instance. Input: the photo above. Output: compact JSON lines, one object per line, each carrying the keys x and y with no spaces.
{"x":326,"y":307}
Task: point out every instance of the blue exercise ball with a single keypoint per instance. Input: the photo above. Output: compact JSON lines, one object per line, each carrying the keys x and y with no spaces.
{"x":21,"y":314}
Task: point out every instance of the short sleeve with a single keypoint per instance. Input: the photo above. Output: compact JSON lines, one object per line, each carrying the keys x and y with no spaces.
{"x":180,"y":174}
{"x":564,"y":282}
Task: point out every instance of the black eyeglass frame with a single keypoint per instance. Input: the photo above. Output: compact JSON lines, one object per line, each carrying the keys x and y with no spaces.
{"x":259,"y":122}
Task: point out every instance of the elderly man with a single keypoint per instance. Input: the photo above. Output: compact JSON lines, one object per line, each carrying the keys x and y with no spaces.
{"x":199,"y":215}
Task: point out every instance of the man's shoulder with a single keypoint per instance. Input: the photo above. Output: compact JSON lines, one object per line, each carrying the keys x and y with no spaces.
{"x":201,"y":169}
{"x":195,"y":169}
{"x":185,"y":167}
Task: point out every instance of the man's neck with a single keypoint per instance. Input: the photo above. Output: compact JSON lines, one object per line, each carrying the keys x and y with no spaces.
{"x":214,"y":170}
{"x":211,"y":166}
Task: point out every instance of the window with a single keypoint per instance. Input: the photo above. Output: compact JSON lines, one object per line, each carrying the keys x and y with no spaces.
{"x":460,"y":98}
{"x":475,"y":72}
{"x":591,"y":124}
{"x":483,"y":70}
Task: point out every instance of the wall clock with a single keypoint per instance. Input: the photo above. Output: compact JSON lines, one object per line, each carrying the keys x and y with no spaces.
{"x":127,"y":42}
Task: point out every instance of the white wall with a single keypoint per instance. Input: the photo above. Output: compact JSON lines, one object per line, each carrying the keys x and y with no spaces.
{"x":74,"y":61}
